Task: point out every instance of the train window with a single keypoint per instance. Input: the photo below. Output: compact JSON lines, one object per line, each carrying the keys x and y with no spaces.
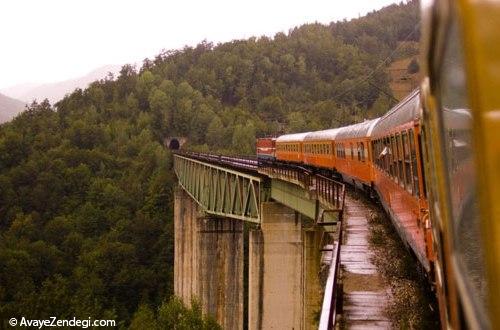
{"x":380,"y":147}
{"x":407,"y":164}
{"x":362,"y":151}
{"x":377,"y":154}
{"x":352,"y":151}
{"x":413,"y":155}
{"x":380,"y":150}
{"x":457,"y":120}
{"x":387,"y":159}
{"x":374,"y":148}
{"x":399,"y":156}
{"x":392,"y":159}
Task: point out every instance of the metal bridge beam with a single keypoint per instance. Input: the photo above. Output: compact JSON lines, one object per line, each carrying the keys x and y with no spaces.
{"x":221,"y":191}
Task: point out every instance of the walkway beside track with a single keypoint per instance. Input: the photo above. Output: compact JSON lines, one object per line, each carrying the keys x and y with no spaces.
{"x":364,"y":293}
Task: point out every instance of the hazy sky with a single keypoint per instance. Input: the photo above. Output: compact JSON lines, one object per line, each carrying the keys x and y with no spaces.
{"x":52,"y":40}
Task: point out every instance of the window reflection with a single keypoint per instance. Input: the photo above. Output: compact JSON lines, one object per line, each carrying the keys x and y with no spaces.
{"x":457,"y":135}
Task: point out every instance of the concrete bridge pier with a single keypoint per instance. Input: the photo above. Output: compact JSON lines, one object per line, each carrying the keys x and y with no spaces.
{"x":284,"y":287}
{"x":208,"y":264}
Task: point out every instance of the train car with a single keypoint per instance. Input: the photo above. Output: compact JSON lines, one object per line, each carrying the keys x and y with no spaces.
{"x":461,"y":120}
{"x":289,"y":147}
{"x":353,"y":154}
{"x":319,"y":149}
{"x":266,"y":148}
{"x":398,"y":175}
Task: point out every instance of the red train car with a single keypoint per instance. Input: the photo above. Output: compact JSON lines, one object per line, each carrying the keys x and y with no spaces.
{"x":266,"y":148}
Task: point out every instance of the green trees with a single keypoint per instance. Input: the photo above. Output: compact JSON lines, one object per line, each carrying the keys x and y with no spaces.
{"x":172,"y":314}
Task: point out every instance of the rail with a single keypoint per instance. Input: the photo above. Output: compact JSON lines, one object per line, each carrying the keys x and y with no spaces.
{"x":330,"y":299}
{"x":241,"y":162}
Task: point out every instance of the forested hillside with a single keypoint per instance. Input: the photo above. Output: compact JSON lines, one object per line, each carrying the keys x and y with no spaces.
{"x":86,"y":185}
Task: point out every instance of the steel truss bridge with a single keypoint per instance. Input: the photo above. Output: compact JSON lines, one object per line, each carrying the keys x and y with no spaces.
{"x":235,"y":187}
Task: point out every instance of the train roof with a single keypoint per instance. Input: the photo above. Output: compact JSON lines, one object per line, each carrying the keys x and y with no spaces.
{"x":357,"y":130}
{"x":297,"y":137}
{"x":327,"y":134}
{"x":405,"y":111}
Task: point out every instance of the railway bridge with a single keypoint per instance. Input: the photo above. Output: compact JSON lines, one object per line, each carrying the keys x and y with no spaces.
{"x":257,"y":245}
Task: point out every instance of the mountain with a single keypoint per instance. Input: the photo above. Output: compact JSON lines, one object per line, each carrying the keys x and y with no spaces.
{"x":56,"y":91}
{"x":9,"y":108}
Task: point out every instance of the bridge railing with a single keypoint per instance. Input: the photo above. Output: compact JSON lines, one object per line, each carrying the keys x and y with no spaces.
{"x":330,"y":298}
{"x":330,"y":193}
{"x":294,"y":174}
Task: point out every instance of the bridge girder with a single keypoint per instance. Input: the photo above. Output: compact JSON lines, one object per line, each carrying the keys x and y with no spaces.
{"x":221,"y":191}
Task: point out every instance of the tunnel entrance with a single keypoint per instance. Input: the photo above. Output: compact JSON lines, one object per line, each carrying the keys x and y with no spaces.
{"x":174,"y":144}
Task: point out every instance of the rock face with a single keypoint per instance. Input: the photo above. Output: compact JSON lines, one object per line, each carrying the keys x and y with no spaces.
{"x":9,"y":108}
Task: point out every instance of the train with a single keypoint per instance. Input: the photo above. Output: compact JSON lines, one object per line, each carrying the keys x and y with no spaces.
{"x":381,"y":156}
{"x":433,"y":160}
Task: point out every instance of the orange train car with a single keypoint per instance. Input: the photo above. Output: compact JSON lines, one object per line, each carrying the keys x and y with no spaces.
{"x":353,"y":153}
{"x":289,"y":147}
{"x":398,"y":175}
{"x":319,"y":149}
